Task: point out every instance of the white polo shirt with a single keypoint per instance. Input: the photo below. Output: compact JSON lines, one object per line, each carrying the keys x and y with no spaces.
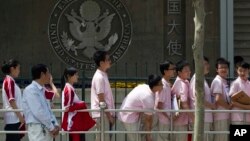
{"x":219,"y":86}
{"x":239,"y":85}
{"x":10,"y":91}
{"x":208,"y":97}
{"x":181,"y":89}
{"x":165,"y":97}
{"x":141,"y":97}
{"x":100,"y":84}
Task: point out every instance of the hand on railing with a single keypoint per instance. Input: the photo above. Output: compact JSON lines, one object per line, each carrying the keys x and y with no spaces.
{"x":66,"y":109}
{"x":213,"y":106}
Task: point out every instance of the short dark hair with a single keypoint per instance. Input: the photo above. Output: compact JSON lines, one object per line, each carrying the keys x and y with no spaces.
{"x":99,"y":56}
{"x":221,"y":61}
{"x":238,"y":59}
{"x":165,"y":66}
{"x":7,"y":65}
{"x":153,"y":80}
{"x":205,"y":59}
{"x":244,"y":65}
{"x":36,"y":71}
{"x":181,"y":64}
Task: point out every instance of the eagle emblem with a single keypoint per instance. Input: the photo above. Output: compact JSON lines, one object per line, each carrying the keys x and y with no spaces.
{"x":89,"y":28}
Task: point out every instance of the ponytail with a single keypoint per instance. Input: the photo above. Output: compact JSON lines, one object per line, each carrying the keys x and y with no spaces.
{"x":68,"y":72}
{"x":7,"y":65}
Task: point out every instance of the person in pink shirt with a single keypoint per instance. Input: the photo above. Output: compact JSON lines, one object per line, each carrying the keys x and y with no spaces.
{"x":141,"y":97}
{"x":163,"y":100}
{"x":101,"y":92}
{"x":181,"y":90}
{"x":220,"y":90}
{"x":241,"y":84}
{"x":208,"y":101}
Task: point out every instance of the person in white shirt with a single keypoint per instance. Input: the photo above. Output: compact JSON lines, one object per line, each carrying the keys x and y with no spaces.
{"x":141,"y":97}
{"x":41,"y":122}
{"x":181,"y":90}
{"x":163,"y":100}
{"x":12,"y":99}
{"x":208,"y":117}
{"x":220,"y":92}
{"x":101,"y":92}
{"x":240,"y":84}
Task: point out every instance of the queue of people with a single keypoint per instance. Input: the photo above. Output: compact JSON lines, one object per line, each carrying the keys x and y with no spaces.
{"x":157,"y":94}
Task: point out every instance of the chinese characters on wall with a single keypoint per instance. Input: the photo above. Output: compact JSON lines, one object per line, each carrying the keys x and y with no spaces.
{"x":174,"y":31}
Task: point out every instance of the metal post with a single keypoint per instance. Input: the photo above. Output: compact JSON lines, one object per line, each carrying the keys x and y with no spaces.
{"x":102,"y":107}
{"x":83,"y":85}
{"x":171,"y":125}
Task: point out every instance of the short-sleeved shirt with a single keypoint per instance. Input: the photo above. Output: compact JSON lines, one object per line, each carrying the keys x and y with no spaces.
{"x":181,"y":89}
{"x":220,"y":86}
{"x":100,"y":84}
{"x":141,"y":97}
{"x":69,"y":96}
{"x":11,"y":91}
{"x":236,"y":86}
{"x":165,"y":97}
{"x":49,"y":95}
{"x":208,"y":115}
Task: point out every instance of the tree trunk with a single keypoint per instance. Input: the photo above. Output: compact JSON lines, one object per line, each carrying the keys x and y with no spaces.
{"x":199,"y":21}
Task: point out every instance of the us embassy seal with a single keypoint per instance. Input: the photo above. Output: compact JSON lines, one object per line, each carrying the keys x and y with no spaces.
{"x":78,"y":28}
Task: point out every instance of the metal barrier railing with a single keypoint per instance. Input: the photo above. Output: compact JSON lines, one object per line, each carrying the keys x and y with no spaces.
{"x":103,"y":110}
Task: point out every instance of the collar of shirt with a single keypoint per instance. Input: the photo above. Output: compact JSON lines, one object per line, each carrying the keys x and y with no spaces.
{"x":40,"y":87}
{"x":101,"y":72}
{"x":147,"y":88}
{"x":69,"y":85}
{"x":243,"y":81}
{"x":222,"y":79}
{"x":166,"y":83}
{"x":185,"y":81}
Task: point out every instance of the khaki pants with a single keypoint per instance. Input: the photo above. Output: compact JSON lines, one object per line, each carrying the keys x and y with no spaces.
{"x":180,"y":137}
{"x":221,"y":125}
{"x":36,"y":132}
{"x":133,"y":127}
{"x":106,"y":128}
{"x":208,"y":127}
{"x":163,"y":136}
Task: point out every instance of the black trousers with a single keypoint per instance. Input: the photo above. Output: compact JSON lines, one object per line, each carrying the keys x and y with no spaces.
{"x":12,"y":127}
{"x":82,"y":137}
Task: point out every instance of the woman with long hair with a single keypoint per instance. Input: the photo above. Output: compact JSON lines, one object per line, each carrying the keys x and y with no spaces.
{"x":71,"y":119}
{"x":12,"y":99}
